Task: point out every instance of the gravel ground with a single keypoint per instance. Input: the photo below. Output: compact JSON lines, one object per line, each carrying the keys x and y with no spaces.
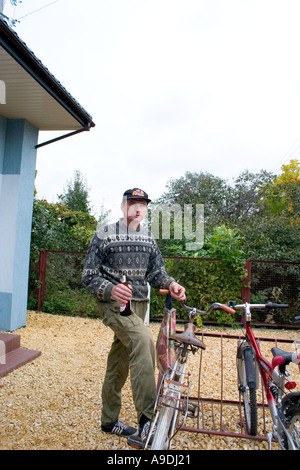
{"x":54,"y":402}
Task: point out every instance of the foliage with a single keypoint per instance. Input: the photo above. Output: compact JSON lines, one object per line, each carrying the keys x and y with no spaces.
{"x":282,"y":198}
{"x":76,"y":196}
{"x":225,"y":243}
{"x":261,"y":208}
{"x":223,"y":202}
{"x":206,"y":281}
{"x":70,"y":302}
{"x":255,"y":217}
{"x":54,"y":227}
{"x":198,"y":188}
{"x":273,"y":233}
{"x":272,"y":238}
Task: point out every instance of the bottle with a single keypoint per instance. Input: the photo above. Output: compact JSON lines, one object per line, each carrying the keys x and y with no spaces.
{"x":125,"y":308}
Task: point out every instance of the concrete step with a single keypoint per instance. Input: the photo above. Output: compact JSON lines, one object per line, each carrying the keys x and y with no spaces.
{"x":12,"y":355}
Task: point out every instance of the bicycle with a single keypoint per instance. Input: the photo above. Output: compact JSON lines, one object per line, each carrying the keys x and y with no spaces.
{"x":172,"y":401}
{"x":284,"y":408}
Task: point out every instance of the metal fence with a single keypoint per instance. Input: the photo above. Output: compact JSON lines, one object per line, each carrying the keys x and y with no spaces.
{"x":55,"y":284}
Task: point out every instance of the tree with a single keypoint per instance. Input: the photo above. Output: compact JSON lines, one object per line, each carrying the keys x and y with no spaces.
{"x":261,"y":208}
{"x":76,"y":196}
{"x":54,"y":227}
{"x":282,"y":198}
{"x":198,"y":188}
{"x":274,"y":232}
{"x":225,"y":204}
{"x":244,"y":195}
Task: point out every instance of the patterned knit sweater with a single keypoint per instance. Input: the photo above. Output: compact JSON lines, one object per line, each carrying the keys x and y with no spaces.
{"x":116,"y":250}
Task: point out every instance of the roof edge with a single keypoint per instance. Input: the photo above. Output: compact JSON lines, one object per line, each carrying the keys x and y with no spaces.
{"x":11,"y":42}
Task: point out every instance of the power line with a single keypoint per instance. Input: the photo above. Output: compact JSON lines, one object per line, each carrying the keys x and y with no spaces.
{"x":289,"y":154}
{"x":45,"y":6}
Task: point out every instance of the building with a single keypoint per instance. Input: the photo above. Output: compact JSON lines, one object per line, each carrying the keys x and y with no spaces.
{"x":31,"y":100}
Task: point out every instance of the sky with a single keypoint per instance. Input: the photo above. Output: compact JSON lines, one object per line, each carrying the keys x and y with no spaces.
{"x":172,"y":86}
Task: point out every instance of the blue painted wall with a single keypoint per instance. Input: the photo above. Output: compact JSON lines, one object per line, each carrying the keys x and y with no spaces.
{"x":17,"y":175}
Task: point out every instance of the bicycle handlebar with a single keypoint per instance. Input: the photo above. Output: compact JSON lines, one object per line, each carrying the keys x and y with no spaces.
{"x":214,"y":306}
{"x":228,"y":308}
{"x":267,"y":305}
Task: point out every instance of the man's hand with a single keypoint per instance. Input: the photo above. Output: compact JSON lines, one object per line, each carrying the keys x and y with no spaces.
{"x":121,"y":293}
{"x":177,"y":291}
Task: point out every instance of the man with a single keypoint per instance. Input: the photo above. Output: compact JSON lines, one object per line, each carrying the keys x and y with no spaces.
{"x":127,"y":248}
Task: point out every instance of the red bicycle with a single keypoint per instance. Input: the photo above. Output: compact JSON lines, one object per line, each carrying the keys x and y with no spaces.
{"x":284,"y":407}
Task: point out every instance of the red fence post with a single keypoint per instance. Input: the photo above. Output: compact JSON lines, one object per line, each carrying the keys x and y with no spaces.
{"x":42,"y":279}
{"x":246,"y":290}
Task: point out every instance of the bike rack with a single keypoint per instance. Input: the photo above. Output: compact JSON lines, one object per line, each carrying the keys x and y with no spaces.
{"x":214,"y":412}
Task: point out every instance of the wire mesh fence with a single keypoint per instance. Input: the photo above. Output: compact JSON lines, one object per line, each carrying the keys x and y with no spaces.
{"x":278,"y":282}
{"x":55,"y":285}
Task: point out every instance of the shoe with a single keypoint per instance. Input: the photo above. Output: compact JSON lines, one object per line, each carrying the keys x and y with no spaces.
{"x":119,"y":428}
{"x":138,"y":439}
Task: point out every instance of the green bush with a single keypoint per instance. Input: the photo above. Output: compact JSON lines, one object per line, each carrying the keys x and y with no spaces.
{"x":70,"y":302}
{"x":205,"y":281}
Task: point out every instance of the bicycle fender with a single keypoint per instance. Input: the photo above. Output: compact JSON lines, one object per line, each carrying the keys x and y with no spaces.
{"x":250,"y":369}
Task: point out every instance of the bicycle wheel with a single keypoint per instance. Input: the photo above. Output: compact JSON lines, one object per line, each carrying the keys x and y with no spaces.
{"x":161,"y":434}
{"x":166,"y":417}
{"x":292,"y":420}
{"x":250,"y":409}
{"x":248,"y":393}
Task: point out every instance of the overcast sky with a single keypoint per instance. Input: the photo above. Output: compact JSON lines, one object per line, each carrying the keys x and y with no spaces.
{"x":172,"y":86}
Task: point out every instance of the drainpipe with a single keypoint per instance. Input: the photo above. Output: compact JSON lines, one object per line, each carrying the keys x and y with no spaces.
{"x":87,"y":128}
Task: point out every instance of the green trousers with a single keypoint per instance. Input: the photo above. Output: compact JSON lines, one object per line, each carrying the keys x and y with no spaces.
{"x":132,"y":351}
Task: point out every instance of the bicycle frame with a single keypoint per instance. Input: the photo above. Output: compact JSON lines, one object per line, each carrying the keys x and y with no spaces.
{"x":265,"y":369}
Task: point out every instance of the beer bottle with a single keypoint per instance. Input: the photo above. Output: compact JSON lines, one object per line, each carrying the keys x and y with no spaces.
{"x":125,"y":307}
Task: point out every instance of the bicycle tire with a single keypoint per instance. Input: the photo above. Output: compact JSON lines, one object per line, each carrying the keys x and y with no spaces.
{"x":167,"y":415}
{"x":292,"y":420}
{"x":161,"y":437}
{"x":248,"y":394}
{"x":250,"y":410}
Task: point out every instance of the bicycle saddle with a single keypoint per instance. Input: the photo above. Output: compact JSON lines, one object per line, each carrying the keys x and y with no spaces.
{"x":188,"y":336}
{"x":287,"y":356}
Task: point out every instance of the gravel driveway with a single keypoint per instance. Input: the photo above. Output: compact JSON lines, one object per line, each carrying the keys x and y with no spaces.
{"x":54,"y":402}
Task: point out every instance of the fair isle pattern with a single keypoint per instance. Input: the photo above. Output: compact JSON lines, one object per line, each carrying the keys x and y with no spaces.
{"x":116,"y":250}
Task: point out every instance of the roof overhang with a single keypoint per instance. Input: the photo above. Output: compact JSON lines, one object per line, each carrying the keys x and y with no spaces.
{"x":32,"y":92}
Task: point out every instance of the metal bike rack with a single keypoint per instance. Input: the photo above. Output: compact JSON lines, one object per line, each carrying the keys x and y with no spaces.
{"x":214,"y":412}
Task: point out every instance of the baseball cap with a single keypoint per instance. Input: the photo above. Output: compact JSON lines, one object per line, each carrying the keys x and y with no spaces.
{"x":136,"y":193}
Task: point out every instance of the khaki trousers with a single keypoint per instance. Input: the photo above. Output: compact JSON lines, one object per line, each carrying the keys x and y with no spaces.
{"x":132,"y":351}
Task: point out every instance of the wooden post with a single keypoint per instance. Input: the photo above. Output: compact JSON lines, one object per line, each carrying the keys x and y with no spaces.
{"x":42,"y":279}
